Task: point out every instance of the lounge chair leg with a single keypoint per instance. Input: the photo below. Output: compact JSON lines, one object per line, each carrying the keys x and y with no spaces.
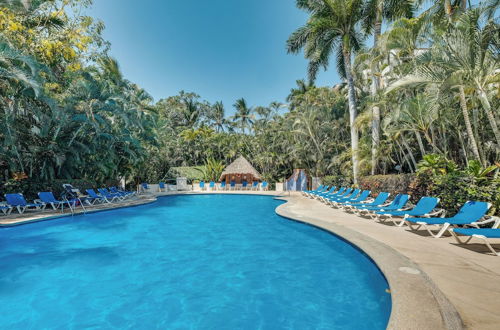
{"x":487,"y":244}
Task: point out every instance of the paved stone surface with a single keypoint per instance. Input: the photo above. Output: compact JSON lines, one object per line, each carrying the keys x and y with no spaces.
{"x":466,"y":276}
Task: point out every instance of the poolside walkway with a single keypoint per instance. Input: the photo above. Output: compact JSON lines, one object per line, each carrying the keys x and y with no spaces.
{"x":468,"y":277}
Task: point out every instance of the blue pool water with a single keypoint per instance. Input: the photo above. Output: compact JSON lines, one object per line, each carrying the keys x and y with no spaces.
{"x":187,"y":262}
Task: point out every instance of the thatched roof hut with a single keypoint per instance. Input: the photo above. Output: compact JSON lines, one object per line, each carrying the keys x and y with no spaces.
{"x":240,"y":170}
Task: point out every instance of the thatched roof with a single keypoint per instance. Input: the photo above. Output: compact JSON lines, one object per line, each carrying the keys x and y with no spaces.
{"x":240,"y":166}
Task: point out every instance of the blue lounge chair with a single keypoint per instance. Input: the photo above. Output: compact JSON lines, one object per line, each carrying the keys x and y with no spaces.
{"x":18,"y":202}
{"x":48,"y":198}
{"x":223,"y":185}
{"x":424,"y":208}
{"x":145,"y":187}
{"x":232,"y":185}
{"x":327,"y":193}
{"x":104,"y":192}
{"x":361,"y":198}
{"x":244,"y":185}
{"x":255,"y":185}
{"x":397,"y":204}
{"x":95,"y":197}
{"x":317,"y":190}
{"x":468,"y":215}
{"x":162,"y":186}
{"x":212,"y":185}
{"x":330,"y":197}
{"x":338,"y":193}
{"x":126,"y":193}
{"x":483,"y":234}
{"x":5,"y":209}
{"x":202,"y":185}
{"x":350,"y":196}
{"x":380,"y":200}
{"x":264,"y":185}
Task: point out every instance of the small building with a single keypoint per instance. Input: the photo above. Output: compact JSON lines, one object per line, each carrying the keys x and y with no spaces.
{"x":297,"y":181}
{"x":240,"y":170}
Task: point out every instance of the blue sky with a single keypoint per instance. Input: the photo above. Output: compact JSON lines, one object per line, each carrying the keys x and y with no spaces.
{"x":220,"y":49}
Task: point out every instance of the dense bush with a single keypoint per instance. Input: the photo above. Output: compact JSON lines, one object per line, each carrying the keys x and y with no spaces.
{"x":394,"y":183}
{"x":30,"y":188}
{"x":336,"y":180}
{"x":439,"y":177}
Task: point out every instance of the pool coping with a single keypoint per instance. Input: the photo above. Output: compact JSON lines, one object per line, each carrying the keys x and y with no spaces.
{"x":417,"y":302}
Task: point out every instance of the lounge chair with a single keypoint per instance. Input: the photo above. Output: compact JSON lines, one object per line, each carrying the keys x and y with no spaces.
{"x":380,"y":200}
{"x":483,"y":234}
{"x":319,"y":189}
{"x":328,"y":198}
{"x":202,"y":185}
{"x":255,"y":185}
{"x":75,"y":193}
{"x":424,"y":208}
{"x":162,"y":187}
{"x":264,"y":185}
{"x":5,"y":209}
{"x":352,"y":195}
{"x":327,"y":192}
{"x":110,"y":195}
{"x":244,"y":185}
{"x":95,"y":197}
{"x":361,"y":198}
{"x":468,"y":215}
{"x":331,"y":193}
{"x":397,"y":204}
{"x":232,"y":185}
{"x":222,"y":185}
{"x":212,"y":185}
{"x":48,"y":198}
{"x":145,"y":187}
{"x":18,"y":202}
{"x":127,"y":193}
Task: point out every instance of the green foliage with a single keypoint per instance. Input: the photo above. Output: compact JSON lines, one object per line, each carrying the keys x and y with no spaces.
{"x":336,"y":180}
{"x":212,"y":170}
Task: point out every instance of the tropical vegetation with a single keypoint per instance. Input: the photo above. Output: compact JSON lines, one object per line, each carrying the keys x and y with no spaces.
{"x":419,"y":82}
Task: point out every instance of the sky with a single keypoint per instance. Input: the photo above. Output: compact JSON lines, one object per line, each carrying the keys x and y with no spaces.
{"x":220,"y":49}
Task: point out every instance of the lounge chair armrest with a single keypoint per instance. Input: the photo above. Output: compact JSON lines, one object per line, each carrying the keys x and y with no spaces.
{"x":435,"y":213}
{"x":486,"y":220}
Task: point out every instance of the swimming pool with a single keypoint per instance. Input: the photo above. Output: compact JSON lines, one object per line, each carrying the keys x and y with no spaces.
{"x":187,"y":262}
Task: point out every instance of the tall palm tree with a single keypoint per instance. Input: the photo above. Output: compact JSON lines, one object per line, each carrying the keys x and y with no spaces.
{"x":333,"y":27}
{"x":217,"y":115}
{"x":243,"y":115}
{"x":375,"y":11}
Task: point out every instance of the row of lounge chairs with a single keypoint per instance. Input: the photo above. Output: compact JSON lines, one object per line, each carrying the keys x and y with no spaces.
{"x":233,"y":186}
{"x":71,"y":199}
{"x":467,"y":223}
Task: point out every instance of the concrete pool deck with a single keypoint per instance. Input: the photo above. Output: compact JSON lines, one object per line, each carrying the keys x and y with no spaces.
{"x":435,"y":283}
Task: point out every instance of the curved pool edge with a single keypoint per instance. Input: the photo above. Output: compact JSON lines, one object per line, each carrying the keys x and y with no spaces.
{"x":417,"y":303}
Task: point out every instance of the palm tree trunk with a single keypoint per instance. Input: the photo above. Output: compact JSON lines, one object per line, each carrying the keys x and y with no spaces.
{"x":420,"y":143}
{"x":468,"y":125}
{"x":448,"y":9}
{"x":351,"y":92}
{"x":491,"y":117}
{"x":374,"y":90}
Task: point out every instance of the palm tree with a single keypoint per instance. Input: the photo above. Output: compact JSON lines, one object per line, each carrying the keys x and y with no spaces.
{"x":375,"y":11}
{"x":333,"y":26}
{"x":243,"y":115}
{"x":217,"y":115}
{"x":461,"y":59}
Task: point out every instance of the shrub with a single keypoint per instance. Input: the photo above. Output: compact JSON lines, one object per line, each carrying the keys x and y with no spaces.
{"x":336,"y":180}
{"x":393,"y":183}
